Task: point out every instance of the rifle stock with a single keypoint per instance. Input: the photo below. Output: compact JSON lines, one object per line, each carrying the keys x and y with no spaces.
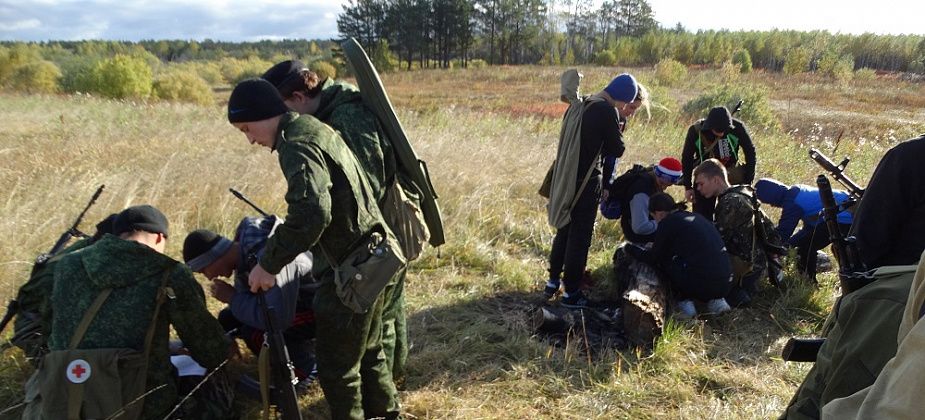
{"x":282,"y":374}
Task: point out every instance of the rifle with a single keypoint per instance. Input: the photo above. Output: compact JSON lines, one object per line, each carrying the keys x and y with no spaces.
{"x":852,"y":273}
{"x":838,"y":172}
{"x":42,"y":259}
{"x":282,"y":370}
{"x":249,"y":203}
{"x":737,"y":108}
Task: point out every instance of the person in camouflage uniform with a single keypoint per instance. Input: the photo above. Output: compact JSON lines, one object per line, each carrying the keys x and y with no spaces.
{"x":330,"y":207}
{"x":340,"y":105}
{"x":734,"y":217}
{"x":31,"y":330}
{"x":133,"y":265}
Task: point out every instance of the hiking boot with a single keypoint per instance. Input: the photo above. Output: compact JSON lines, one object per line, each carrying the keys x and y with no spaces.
{"x":685,"y":309}
{"x":550,"y":290}
{"x":718,"y":306}
{"x":576,"y":300}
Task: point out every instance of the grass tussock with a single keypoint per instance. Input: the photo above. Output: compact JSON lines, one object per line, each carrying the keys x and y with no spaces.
{"x":488,"y":136}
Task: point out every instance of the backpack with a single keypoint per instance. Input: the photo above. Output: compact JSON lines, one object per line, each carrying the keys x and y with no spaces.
{"x":612,"y":207}
{"x":100,"y":383}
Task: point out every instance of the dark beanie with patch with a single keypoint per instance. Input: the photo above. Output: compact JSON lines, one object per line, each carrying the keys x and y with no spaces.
{"x":255,"y":100}
{"x":282,"y":73}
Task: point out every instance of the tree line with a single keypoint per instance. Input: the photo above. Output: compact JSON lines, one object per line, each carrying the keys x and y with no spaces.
{"x":443,"y":33}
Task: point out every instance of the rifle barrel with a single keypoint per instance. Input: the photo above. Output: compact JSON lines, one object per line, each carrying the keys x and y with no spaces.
{"x":241,"y":197}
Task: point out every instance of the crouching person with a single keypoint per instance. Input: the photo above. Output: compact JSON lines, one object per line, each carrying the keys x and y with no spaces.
{"x":331,"y":210}
{"x":691,"y":254}
{"x":215,"y":257}
{"x":111,"y":309}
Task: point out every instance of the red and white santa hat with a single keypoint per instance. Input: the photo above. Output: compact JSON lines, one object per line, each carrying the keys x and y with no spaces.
{"x":669,"y":168}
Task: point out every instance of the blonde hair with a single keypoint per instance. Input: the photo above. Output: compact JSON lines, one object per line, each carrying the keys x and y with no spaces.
{"x":642,"y":96}
{"x":711,"y":168}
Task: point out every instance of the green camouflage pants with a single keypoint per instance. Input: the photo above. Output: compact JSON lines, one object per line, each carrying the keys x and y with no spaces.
{"x":395,"y":327}
{"x":352,"y":367}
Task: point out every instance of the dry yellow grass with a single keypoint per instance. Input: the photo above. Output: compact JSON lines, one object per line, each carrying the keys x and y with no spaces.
{"x":473,"y":355}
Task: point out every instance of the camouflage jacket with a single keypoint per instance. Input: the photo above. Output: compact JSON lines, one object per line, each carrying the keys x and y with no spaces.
{"x":330,"y":202}
{"x":134,"y":273}
{"x":735,"y":220}
{"x":342,"y":107}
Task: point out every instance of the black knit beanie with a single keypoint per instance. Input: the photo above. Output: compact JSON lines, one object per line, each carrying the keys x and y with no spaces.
{"x":282,"y":73}
{"x":203,"y":247}
{"x":254,"y":100}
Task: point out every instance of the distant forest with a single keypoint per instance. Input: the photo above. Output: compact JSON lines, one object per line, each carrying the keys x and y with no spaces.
{"x":414,"y":34}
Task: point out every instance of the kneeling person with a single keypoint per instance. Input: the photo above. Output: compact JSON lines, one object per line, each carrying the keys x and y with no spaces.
{"x":215,"y":256}
{"x":690,"y":252}
{"x":112,"y":302}
{"x":735,"y":216}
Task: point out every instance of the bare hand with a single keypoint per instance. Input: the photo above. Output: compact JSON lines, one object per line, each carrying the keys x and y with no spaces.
{"x":221,"y":290}
{"x":260,"y":279}
{"x":689,"y":196}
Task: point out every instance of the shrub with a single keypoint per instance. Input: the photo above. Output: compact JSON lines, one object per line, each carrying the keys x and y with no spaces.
{"x":210,"y":72}
{"x":235,"y":70}
{"x":865,"y":74}
{"x":15,"y":56}
{"x":917,"y":66}
{"x":184,"y":86}
{"x":605,"y":58}
{"x":36,"y":77}
{"x":477,"y":63}
{"x":756,"y":109}
{"x":79,"y":75}
{"x":382,"y":57}
{"x":730,"y":72}
{"x":123,"y":76}
{"x":838,"y":68}
{"x":743,"y":60}
{"x":323,"y":69}
{"x":797,"y":61}
{"x":669,"y":72}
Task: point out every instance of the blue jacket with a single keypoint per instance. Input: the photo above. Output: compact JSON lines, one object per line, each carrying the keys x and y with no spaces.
{"x":798,"y":203}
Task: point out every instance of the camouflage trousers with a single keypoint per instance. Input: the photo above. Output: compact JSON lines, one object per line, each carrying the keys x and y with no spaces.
{"x":395,"y":327}
{"x":352,"y":367}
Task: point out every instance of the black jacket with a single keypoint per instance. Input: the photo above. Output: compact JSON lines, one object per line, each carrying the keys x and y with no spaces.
{"x":692,"y":239}
{"x":696,"y":151}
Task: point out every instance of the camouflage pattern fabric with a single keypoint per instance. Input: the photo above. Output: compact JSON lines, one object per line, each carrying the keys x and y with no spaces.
{"x":134,"y":272}
{"x":341,"y":106}
{"x":323,"y":174}
{"x":735,"y":220}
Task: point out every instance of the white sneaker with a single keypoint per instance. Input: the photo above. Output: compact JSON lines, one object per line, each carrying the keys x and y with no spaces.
{"x":718,"y":306}
{"x":685,"y":309}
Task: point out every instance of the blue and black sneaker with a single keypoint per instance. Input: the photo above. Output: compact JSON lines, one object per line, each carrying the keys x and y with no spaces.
{"x":550,"y":290}
{"x":575,"y":300}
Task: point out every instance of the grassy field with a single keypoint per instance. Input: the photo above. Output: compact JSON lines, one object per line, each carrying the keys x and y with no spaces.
{"x":488,"y":136}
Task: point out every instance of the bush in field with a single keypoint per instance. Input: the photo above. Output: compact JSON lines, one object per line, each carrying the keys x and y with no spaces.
{"x":178,"y":85}
{"x":382,"y":57}
{"x":79,"y":75}
{"x":743,"y":60}
{"x":730,"y":72}
{"x":36,"y":77}
{"x":210,"y":72}
{"x":865,"y":74}
{"x":235,"y":70}
{"x":669,"y":72}
{"x":605,"y":58}
{"x":797,"y":61}
{"x":756,"y":109}
{"x":123,"y":76}
{"x":323,"y":69}
{"x":17,"y":55}
{"x":917,"y":66}
{"x":839,"y":68}
{"x":477,"y":63}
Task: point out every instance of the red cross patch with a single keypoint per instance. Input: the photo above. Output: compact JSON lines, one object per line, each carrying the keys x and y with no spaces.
{"x":78,"y":371}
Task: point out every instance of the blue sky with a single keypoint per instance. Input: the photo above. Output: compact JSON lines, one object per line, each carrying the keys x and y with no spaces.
{"x":234,"y":20}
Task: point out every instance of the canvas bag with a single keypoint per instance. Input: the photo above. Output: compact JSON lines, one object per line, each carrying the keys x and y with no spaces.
{"x":95,"y":383}
{"x":362,"y":275}
{"x":403,"y":215}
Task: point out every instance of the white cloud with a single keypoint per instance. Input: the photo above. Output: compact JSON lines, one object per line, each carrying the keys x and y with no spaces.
{"x":20,"y":25}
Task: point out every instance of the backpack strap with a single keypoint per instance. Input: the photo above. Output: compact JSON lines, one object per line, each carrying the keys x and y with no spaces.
{"x":88,"y":318}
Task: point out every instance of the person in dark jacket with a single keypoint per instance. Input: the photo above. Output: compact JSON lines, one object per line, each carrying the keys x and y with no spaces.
{"x":601,"y":137}
{"x":889,"y":222}
{"x":217,"y":257}
{"x":721,"y":137}
{"x":802,"y":203}
{"x":690,"y":252}
{"x":637,"y":224}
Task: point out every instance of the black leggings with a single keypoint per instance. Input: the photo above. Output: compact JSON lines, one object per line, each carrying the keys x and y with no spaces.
{"x":686,"y":284}
{"x":569,"y":254}
{"x":810,"y":240}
